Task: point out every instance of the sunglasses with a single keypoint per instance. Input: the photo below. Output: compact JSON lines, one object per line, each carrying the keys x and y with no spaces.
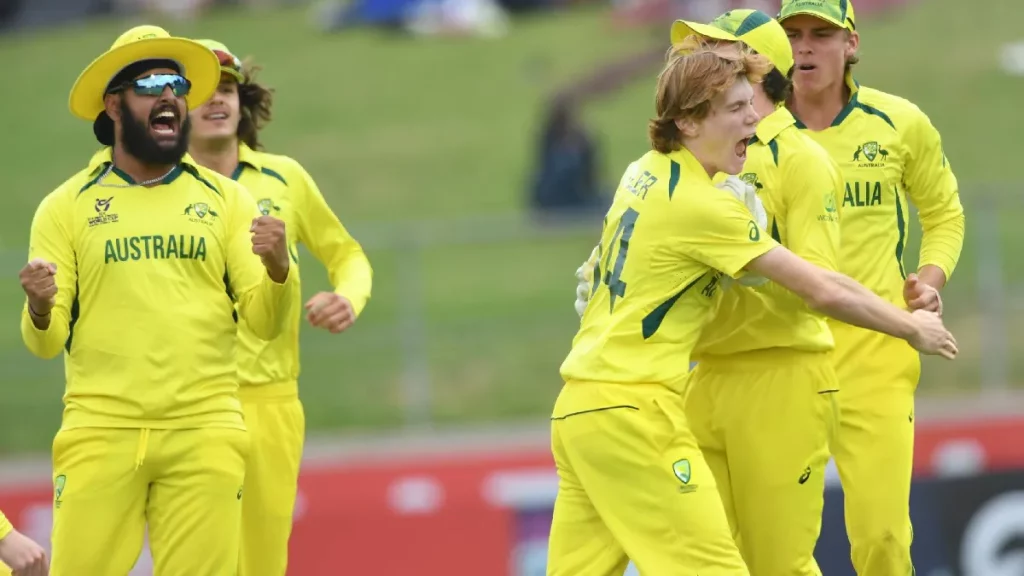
{"x":228,"y":60}
{"x":154,"y":85}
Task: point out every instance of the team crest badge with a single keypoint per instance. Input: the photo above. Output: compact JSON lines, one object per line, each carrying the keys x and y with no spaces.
{"x":830,"y":202}
{"x":751,"y":178}
{"x":201,"y":209}
{"x":266,"y":205}
{"x":58,"y":488}
{"x":870,"y":151}
{"x":681,"y":468}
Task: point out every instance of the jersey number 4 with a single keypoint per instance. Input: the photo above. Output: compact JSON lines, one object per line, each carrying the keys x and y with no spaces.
{"x":612,"y":276}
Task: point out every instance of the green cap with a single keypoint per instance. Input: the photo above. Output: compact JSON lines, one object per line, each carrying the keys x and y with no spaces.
{"x":229,"y":63}
{"x":839,"y":13}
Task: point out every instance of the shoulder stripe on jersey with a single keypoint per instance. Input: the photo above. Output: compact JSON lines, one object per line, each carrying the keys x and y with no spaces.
{"x":775,"y":231}
{"x":237,"y":173}
{"x":852,"y":105}
{"x":901,"y":226}
{"x":876,"y":112}
{"x":673,"y":178}
{"x":75,"y":312}
{"x":95,"y":177}
{"x":652,"y":321}
{"x":195,"y":174}
{"x":274,"y":174}
{"x":774,"y":147}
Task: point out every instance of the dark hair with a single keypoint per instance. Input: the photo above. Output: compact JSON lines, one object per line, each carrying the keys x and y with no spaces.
{"x":254,"y":102}
{"x":776,"y":86}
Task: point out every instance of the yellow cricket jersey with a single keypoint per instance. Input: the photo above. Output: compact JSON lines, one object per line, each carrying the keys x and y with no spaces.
{"x":889,"y":153}
{"x":800,"y":188}
{"x":5,"y":526}
{"x":283,"y":189}
{"x":147,"y":280}
{"x":668,"y":238}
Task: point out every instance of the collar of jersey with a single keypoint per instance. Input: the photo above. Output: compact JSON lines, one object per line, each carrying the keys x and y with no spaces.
{"x":854,"y":87}
{"x":249,"y":156}
{"x":772,"y":125}
{"x":689,"y":163}
{"x":105,"y":156}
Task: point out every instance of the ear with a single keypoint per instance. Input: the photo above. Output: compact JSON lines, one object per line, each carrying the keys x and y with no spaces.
{"x":112,"y":103}
{"x":688,"y":127}
{"x":852,"y":43}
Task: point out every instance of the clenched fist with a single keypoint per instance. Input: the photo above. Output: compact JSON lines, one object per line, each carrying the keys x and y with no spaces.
{"x":270,"y":243}
{"x":39,"y":281}
{"x":23,"y":556}
{"x":921,"y":296}
{"x":330,"y":311}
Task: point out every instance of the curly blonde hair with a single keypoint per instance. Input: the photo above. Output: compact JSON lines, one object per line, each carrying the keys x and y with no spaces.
{"x":697,"y":70}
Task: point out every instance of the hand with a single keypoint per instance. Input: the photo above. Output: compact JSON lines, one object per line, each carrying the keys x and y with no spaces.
{"x":748,"y":195}
{"x":932,"y":337}
{"x":23,"y":556}
{"x":38,"y":280}
{"x":270,"y":243}
{"x":921,"y":296}
{"x":330,"y":311}
{"x":585,"y":278}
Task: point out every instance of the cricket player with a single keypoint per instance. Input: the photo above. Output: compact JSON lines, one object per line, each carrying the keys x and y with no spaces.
{"x":137,"y":265}
{"x":19,"y":553}
{"x":889,"y":154}
{"x":632,"y":481}
{"x":225,"y":138}
{"x":761,"y":402}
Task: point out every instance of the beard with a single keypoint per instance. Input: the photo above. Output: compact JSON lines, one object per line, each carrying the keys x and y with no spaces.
{"x":140,"y":144}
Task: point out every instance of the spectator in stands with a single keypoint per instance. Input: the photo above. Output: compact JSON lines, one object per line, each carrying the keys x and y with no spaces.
{"x":566,"y":180}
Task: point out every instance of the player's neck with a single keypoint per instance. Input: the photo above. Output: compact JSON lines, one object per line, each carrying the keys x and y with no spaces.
{"x":817,"y":110}
{"x":220,"y":156}
{"x":137,"y":169}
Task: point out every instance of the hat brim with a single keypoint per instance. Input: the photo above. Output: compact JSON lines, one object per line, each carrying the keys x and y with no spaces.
{"x":816,"y":14}
{"x":198,"y":64}
{"x":682,"y":28}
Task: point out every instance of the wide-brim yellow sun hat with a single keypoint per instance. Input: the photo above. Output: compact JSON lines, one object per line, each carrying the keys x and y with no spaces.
{"x":752,"y":27}
{"x":229,"y":63}
{"x":196,"y":62}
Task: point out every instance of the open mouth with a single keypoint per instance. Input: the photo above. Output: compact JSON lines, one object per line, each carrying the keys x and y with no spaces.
{"x":806,"y":67}
{"x":216,"y":116}
{"x":164,"y":123}
{"x":741,"y":147}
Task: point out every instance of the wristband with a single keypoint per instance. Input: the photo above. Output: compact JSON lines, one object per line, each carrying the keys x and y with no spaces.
{"x":34,"y":313}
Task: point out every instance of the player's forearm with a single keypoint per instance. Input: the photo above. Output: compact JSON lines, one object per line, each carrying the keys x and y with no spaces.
{"x":852,"y":303}
{"x":265,"y":307}
{"x":354,"y":281}
{"x":941,"y":244}
{"x":932,"y":275}
{"x":44,"y":337}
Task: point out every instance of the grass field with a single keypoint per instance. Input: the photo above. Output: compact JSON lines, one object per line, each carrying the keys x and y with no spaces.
{"x":419,"y":142}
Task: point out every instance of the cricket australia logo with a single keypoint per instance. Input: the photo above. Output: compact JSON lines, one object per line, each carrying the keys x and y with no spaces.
{"x":829,"y":204}
{"x":870,"y":151}
{"x":198,"y":213}
{"x":266,"y":205}
{"x":103,"y":213}
{"x":751,"y":178}
{"x":58,"y":489}
{"x":682,"y":471}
